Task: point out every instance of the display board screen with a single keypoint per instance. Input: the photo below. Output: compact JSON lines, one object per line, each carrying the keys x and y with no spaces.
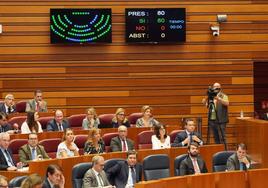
{"x":156,"y":25}
{"x":80,"y":26}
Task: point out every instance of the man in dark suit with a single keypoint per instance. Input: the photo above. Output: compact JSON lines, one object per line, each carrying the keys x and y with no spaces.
{"x":96,"y":177}
{"x":239,"y":160}
{"x":121,"y":142}
{"x":4,"y":125}
{"x":6,"y":160}
{"x":37,"y":104}
{"x":58,"y":123}
{"x":32,"y":150}
{"x":187,"y":136}
{"x":54,"y":177}
{"x":193,"y":163}
{"x":126,"y":173}
{"x":8,"y":106}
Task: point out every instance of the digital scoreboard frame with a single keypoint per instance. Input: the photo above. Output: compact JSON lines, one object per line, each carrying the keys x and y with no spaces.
{"x":155,"y":25}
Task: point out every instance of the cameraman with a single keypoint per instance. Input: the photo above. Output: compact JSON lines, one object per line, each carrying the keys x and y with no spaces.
{"x":218,"y":112}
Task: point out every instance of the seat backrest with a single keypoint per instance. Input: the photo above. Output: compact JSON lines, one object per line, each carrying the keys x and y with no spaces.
{"x":106,"y":120}
{"x":156,"y":167}
{"x":17,"y":119}
{"x":21,"y":106}
{"x":110,"y":163}
{"x":177,"y":164}
{"x":107,"y":137}
{"x":51,"y":146}
{"x":76,"y":120}
{"x":173,"y":135}
{"x":78,"y":173}
{"x":44,"y":120}
{"x":132,"y":118}
{"x":15,"y":145}
{"x":80,"y":141}
{"x":145,"y":139}
{"x":16,"y":181}
{"x":219,"y":160}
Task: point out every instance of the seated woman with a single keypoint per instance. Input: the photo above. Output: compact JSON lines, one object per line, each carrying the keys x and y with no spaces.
{"x":67,"y":148}
{"x":32,"y":181}
{"x":91,"y":119}
{"x":146,"y":120}
{"x":120,"y":118}
{"x":31,"y":125}
{"x":94,"y":143}
{"x":160,"y":140}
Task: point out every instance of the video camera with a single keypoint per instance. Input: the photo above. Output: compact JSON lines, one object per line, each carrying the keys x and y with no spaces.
{"x":212,"y":92}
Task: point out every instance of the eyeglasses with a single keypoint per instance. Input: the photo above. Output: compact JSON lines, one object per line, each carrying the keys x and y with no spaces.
{"x":121,"y":114}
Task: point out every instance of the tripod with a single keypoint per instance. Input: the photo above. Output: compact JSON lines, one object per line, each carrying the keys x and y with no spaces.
{"x":211,"y":109}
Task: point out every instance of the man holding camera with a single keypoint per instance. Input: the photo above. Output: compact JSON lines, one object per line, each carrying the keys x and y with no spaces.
{"x":217,"y":103}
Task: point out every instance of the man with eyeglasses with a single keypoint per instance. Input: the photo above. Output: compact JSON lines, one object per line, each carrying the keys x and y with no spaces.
{"x":8,"y":106}
{"x":54,"y":177}
{"x":96,"y":177}
{"x":6,"y":159}
{"x":121,"y":142}
{"x":32,"y":151}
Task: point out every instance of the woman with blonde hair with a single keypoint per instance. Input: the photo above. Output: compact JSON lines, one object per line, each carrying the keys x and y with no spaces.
{"x":120,"y":118}
{"x":32,"y":181}
{"x":91,"y":120}
{"x":94,"y":143}
{"x":147,"y":119}
{"x":67,"y":148}
{"x":31,"y":125}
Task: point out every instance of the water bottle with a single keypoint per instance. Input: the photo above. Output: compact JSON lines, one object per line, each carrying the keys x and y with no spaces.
{"x":241,"y":114}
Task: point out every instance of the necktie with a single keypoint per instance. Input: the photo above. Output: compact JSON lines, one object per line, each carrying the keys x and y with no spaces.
{"x":191,"y":138}
{"x":9,"y":110}
{"x":60,"y":127}
{"x":100,"y":180}
{"x":9,"y":158}
{"x":195,"y":164}
{"x":37,"y":107}
{"x":124,"y":148}
{"x":241,"y":166}
{"x":133,"y":175}
{"x":33,"y":153}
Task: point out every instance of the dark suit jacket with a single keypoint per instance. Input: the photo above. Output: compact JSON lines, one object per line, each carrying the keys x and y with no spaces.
{"x":233,"y":163}
{"x":117,"y":146}
{"x":52,"y":125}
{"x":90,"y":179}
{"x":182,"y":136}
{"x":46,"y":184}
{"x":3,"y":161}
{"x":5,"y":128}
{"x":187,"y":168}
{"x":119,"y":173}
{"x":25,"y":153}
{"x":4,"y":110}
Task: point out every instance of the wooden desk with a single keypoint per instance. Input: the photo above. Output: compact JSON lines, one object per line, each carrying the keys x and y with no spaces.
{"x":12,"y":174}
{"x":235,"y":179}
{"x":254,"y":133}
{"x":257,"y":178}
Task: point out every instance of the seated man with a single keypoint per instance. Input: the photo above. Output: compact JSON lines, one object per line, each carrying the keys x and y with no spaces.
{"x":8,"y":106}
{"x":54,"y":177}
{"x":126,"y":173}
{"x":58,"y":123}
{"x":187,"y":136}
{"x":5,"y":126}
{"x":96,"y":177}
{"x":193,"y":163}
{"x":239,"y":160}
{"x":6,"y":160}
{"x":32,"y":150}
{"x":121,"y":142}
{"x":37,"y":104}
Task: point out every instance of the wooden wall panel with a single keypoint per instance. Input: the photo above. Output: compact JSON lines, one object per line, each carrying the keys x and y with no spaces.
{"x":171,"y":78}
